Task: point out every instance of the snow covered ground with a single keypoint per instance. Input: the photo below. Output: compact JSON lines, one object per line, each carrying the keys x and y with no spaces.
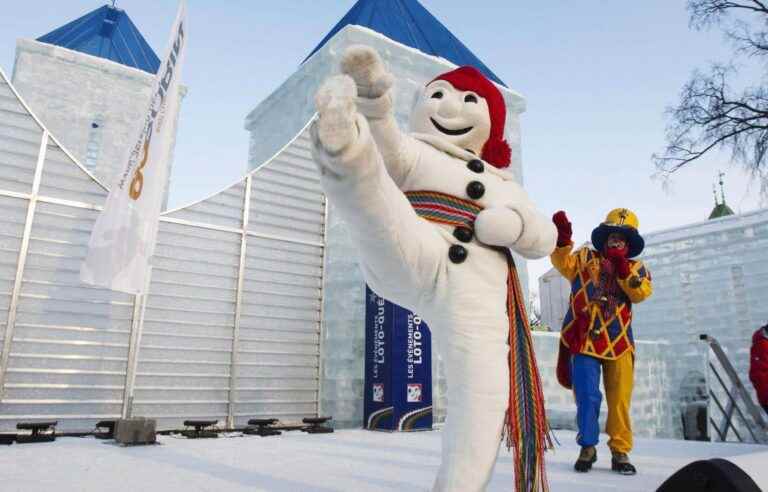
{"x":348,"y":460}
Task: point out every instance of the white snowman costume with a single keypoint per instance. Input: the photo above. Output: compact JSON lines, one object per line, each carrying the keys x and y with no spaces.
{"x":454,"y":277}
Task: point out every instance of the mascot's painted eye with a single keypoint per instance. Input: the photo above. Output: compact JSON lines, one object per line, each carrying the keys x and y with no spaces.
{"x":469,"y":98}
{"x":437,"y":95}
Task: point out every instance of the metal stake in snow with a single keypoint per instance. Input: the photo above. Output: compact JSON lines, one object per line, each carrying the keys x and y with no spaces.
{"x":123,"y":239}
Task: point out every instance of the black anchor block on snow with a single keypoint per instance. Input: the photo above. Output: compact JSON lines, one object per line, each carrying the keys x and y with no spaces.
{"x":261,"y":427}
{"x":203,"y":429}
{"x":40,"y":431}
{"x":316,"y":425}
{"x":105,"y":429}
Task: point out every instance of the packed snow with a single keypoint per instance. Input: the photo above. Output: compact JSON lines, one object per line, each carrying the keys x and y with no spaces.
{"x":347,"y":460}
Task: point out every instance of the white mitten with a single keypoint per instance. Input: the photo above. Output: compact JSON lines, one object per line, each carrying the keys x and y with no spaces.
{"x":366,"y":67}
{"x":335,"y":103}
{"x":498,"y":226}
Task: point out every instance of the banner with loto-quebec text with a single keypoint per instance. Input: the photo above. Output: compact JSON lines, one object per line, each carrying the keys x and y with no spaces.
{"x":398,"y":368}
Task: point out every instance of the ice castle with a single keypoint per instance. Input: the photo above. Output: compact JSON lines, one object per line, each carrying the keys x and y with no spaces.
{"x":711,"y":278}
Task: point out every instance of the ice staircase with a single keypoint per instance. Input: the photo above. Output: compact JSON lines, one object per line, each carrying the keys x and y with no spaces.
{"x":737,"y":409}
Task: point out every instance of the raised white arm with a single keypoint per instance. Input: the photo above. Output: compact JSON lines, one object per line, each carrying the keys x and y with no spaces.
{"x":375,"y":102}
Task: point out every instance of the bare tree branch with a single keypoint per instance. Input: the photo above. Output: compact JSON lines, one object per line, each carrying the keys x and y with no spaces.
{"x":710,"y":114}
{"x":746,"y":42}
{"x":705,"y":13}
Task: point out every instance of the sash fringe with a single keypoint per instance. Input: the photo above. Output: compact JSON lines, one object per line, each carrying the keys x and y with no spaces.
{"x":527,"y":432}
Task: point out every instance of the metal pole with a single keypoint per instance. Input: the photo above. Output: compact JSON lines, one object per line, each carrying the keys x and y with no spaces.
{"x":714,"y":426}
{"x":11,"y":322}
{"x":733,"y":406}
{"x":235,"y":357}
{"x":728,"y":424}
{"x":321,"y":331}
{"x":134,"y":347}
{"x":728,"y":412}
{"x":128,"y":386}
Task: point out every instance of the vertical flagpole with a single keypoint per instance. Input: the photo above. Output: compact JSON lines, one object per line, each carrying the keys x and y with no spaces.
{"x":137,"y":327}
{"x":128,"y":383}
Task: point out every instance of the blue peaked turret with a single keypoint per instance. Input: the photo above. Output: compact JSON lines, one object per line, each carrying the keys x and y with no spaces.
{"x":106,"y":32}
{"x":409,"y":23}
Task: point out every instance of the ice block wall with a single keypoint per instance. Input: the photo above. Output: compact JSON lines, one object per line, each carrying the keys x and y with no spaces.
{"x":343,"y":344}
{"x":554,"y":292}
{"x":652,"y":412}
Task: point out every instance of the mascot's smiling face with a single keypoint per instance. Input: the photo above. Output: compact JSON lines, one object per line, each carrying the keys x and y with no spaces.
{"x":461,"y":117}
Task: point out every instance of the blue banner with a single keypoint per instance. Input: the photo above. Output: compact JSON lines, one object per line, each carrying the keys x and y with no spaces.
{"x":398,"y":368}
{"x":377,"y":408}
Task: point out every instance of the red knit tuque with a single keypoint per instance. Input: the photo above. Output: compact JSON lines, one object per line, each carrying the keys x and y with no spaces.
{"x":496,"y":151}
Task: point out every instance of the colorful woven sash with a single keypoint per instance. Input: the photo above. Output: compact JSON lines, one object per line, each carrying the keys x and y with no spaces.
{"x":526,"y":429}
{"x":445,"y":209}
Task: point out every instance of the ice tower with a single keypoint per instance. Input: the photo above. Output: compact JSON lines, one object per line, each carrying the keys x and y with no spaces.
{"x":89,"y":81}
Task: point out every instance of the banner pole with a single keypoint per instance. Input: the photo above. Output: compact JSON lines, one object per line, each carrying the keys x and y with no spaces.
{"x":134,"y":347}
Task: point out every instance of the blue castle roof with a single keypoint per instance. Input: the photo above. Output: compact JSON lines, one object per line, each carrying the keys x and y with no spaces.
{"x":106,"y":32}
{"x":409,"y":23}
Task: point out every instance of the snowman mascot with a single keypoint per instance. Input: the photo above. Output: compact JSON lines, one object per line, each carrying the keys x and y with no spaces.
{"x":434,"y":218}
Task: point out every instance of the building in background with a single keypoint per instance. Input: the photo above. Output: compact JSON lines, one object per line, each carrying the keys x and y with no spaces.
{"x":554,"y":294}
{"x":89,"y":81}
{"x":709,"y":278}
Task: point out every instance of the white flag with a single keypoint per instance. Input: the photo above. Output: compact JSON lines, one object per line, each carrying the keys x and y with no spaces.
{"x":123,"y":239}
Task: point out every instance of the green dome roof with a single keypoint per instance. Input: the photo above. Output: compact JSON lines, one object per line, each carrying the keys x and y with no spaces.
{"x":720,"y":210}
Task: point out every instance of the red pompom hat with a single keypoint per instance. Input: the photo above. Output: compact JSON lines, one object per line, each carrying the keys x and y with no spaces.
{"x":496,"y":151}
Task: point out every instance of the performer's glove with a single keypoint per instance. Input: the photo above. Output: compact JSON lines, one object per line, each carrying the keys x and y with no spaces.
{"x":620,"y":262}
{"x":366,"y":67}
{"x":564,"y":229}
{"x":335,"y":102}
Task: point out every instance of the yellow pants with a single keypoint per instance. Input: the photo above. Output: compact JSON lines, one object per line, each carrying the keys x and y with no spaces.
{"x":618,"y":379}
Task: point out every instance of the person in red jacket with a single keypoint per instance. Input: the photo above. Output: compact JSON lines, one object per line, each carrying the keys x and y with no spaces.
{"x":758,"y":365}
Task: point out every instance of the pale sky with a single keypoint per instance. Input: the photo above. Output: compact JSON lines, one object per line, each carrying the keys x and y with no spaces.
{"x":597,"y":77}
